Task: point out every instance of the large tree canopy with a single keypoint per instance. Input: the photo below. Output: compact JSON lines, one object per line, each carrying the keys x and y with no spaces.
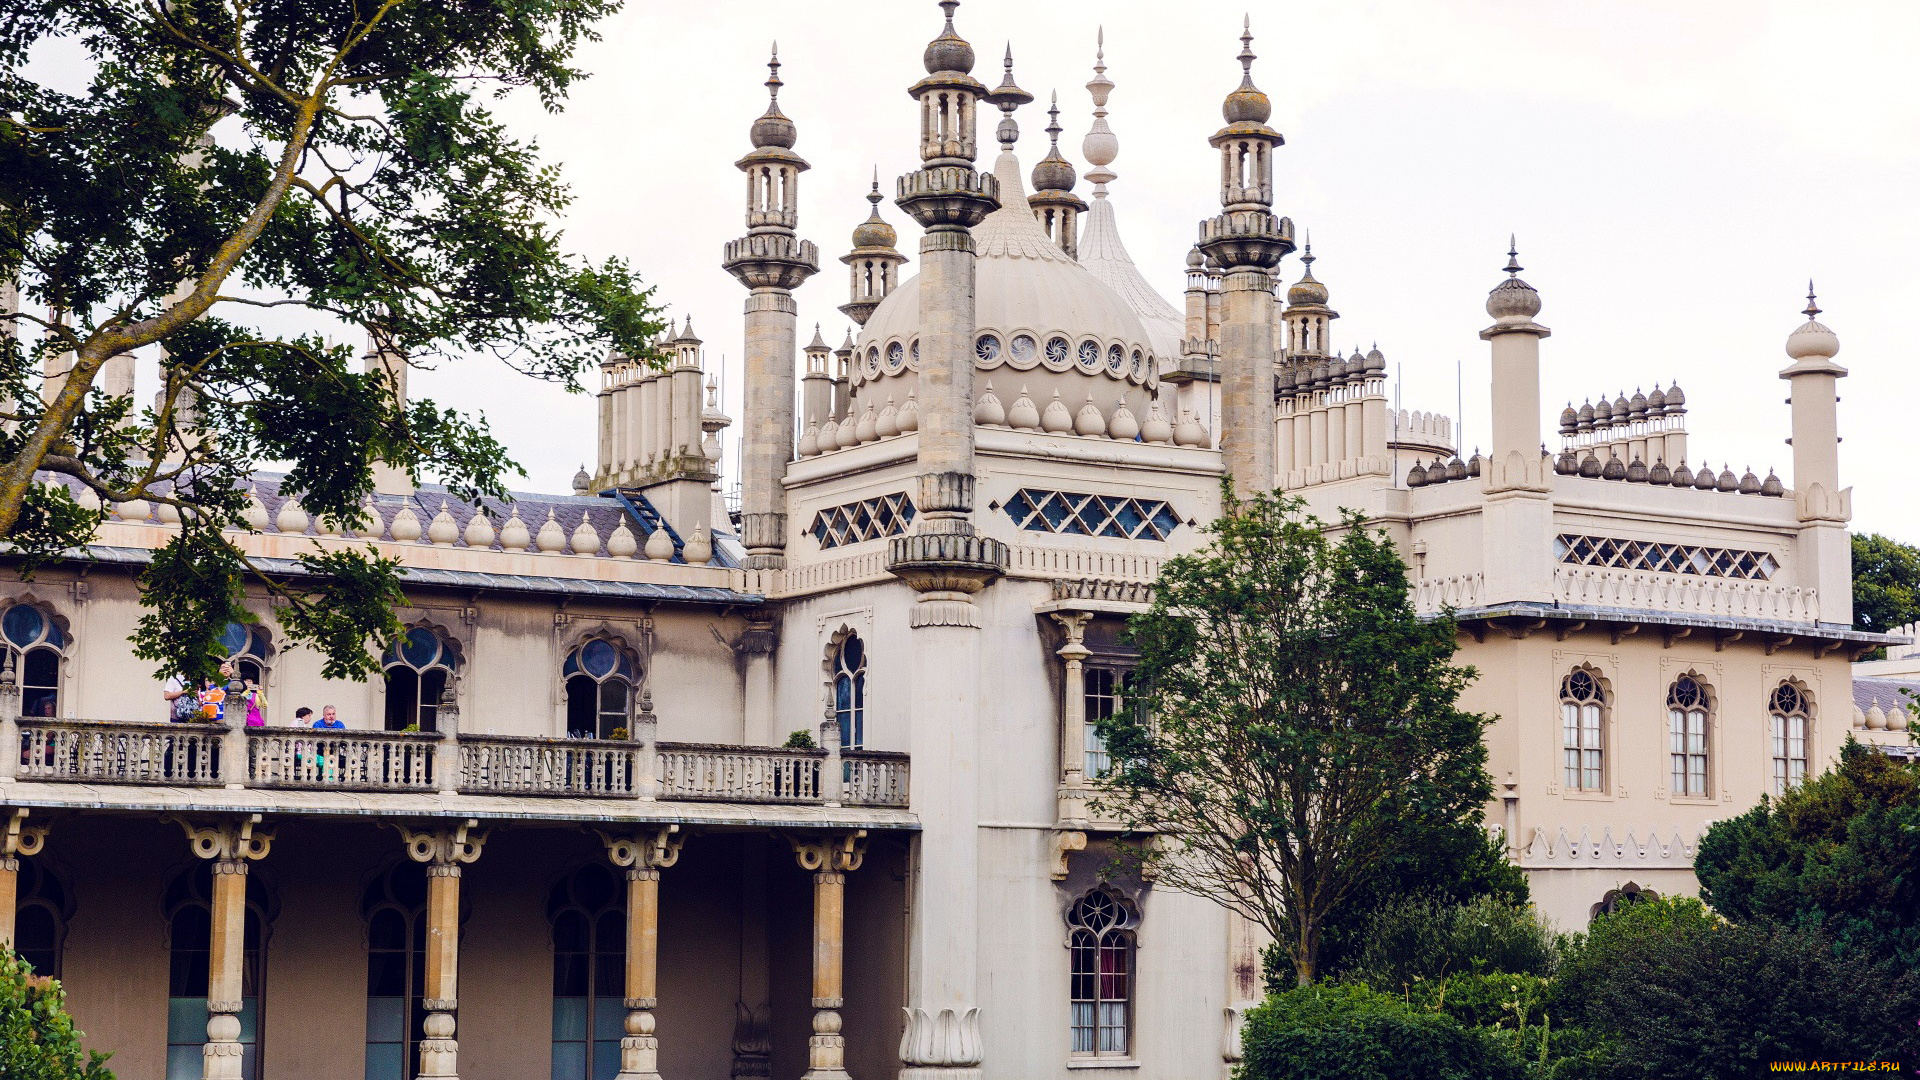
{"x":1300,"y":720}
{"x":1886,"y":583}
{"x":334,"y":160}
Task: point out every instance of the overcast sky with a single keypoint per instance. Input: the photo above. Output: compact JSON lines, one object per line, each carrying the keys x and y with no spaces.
{"x":1675,"y":172}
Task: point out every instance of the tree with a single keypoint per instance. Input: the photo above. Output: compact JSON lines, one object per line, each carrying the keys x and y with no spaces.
{"x":1840,"y":852}
{"x":1299,"y":715}
{"x":37,"y":1039}
{"x":228,"y":159}
{"x":1886,"y":583}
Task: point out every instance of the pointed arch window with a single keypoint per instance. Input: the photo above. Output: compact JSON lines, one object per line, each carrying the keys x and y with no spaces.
{"x":1100,"y":943}
{"x":1688,"y":706}
{"x":248,"y":648}
{"x":601,"y":677}
{"x":587,"y":913}
{"x":395,"y":907}
{"x":417,"y":668}
{"x":850,"y":691}
{"x":37,"y":645}
{"x":1583,"y":726}
{"x":1790,"y":714}
{"x":42,"y":909}
{"x":189,"y":916}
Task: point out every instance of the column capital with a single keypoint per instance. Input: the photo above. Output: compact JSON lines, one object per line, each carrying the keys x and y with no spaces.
{"x":229,"y":842}
{"x":20,"y":837}
{"x":1075,"y":624}
{"x":446,"y":847}
{"x":830,"y":852}
{"x":645,"y":850}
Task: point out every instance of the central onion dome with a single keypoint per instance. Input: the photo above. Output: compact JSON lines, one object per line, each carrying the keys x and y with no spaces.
{"x":949,"y":51}
{"x":774,"y":128}
{"x":1812,"y":338}
{"x":1246,"y":105}
{"x":1307,"y":290}
{"x":1513,"y":298}
{"x":1044,"y":323}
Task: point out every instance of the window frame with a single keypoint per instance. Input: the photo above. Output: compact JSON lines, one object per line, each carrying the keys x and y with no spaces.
{"x":1784,"y":728}
{"x":445,"y":664}
{"x":1681,"y":753}
{"x":195,"y":882}
{"x":602,"y":1034}
{"x":1578,"y":717}
{"x":626,"y":672}
{"x":55,"y":641}
{"x":1091,"y":942}
{"x":38,"y":888}
{"x":382,"y":896}
{"x":847,"y":688}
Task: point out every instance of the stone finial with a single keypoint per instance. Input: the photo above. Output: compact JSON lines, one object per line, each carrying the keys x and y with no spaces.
{"x":254,"y":513}
{"x":887,"y":424}
{"x":479,"y":532}
{"x":1025,"y":415}
{"x":582,"y":481}
{"x":586,"y":538}
{"x":659,"y":545}
{"x":988,"y":411}
{"x":829,"y":438}
{"x":809,"y":444}
{"x":1123,"y":425}
{"x":405,"y":527}
{"x":698,"y":550}
{"x":1056,"y":419}
{"x":443,"y":530}
{"x":1089,"y":420}
{"x":552,"y":539}
{"x":1156,"y":430}
{"x":864,"y":430}
{"x":621,"y":543}
{"x":910,"y":414}
{"x":136,"y":511}
{"x":1101,"y":145}
{"x":514,"y":535}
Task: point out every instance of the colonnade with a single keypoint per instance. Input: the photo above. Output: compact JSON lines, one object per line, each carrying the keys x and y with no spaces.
{"x":232,"y":844}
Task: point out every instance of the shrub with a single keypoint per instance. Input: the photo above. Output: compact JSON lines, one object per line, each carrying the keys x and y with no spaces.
{"x":1427,"y":939}
{"x":1681,"y":993}
{"x":37,"y":1039}
{"x":1515,"y":1010}
{"x":800,"y":740}
{"x":1347,"y":1031}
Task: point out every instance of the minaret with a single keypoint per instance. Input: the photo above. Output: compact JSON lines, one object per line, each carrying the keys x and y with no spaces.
{"x":385,"y":361}
{"x":1307,"y":316}
{"x":1247,"y":241}
{"x":1517,"y":515}
{"x":816,"y":386}
{"x":873,"y":263}
{"x":771,"y":261}
{"x":1823,"y":552}
{"x":1054,"y":204}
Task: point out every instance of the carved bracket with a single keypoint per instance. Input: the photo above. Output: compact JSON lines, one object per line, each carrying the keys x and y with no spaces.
{"x":226,"y":841}
{"x":647,"y":849}
{"x":841,"y":852}
{"x":941,"y":1038}
{"x":443,"y":847}
{"x":1064,"y":842}
{"x":21,"y":838}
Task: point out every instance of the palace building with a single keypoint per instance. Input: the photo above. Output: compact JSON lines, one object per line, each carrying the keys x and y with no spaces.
{"x":651,"y":789}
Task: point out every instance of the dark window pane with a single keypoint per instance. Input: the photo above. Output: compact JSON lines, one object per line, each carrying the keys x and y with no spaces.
{"x":580,"y":706}
{"x":403,"y":697}
{"x":433,"y":683}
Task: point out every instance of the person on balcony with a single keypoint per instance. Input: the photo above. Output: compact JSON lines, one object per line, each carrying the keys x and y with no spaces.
{"x":327,"y":719}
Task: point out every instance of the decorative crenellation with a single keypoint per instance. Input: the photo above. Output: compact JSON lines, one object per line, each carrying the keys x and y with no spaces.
{"x":653,"y":423}
{"x":1562,"y":849}
{"x":868,"y":519}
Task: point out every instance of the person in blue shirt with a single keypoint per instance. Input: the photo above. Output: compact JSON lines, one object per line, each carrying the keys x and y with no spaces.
{"x":329,"y":721}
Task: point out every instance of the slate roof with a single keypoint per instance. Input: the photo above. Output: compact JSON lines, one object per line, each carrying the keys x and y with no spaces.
{"x":1886,"y":693}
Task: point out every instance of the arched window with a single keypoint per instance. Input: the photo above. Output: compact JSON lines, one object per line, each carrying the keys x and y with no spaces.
{"x":190,"y":945}
{"x":600,"y":685}
{"x":1100,"y":944}
{"x":850,"y":691}
{"x":395,"y":907}
{"x":36,"y":643}
{"x":1790,"y":712}
{"x":248,"y":646}
{"x":417,"y":669}
{"x":587,"y":911}
{"x":1619,"y":899}
{"x":40,"y":917}
{"x":1687,"y":707}
{"x":1582,"y":719}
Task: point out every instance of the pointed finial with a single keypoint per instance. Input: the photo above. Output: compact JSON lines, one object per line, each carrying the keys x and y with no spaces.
{"x":1008,"y":96}
{"x":1053,"y":121}
{"x":1813,"y":307}
{"x":773,"y":74}
{"x":1306,"y":256}
{"x":1513,"y":257}
{"x":1246,"y":50}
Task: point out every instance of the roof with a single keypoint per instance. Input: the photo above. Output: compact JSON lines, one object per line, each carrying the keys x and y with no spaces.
{"x":1831,"y":632}
{"x":1105,"y":256}
{"x":1886,"y":693}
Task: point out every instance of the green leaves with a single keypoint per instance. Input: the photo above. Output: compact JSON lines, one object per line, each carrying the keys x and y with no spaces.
{"x":37,"y":1037}
{"x":1886,"y":583}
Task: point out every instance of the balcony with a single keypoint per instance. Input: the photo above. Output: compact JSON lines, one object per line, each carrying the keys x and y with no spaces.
{"x":310,"y":760}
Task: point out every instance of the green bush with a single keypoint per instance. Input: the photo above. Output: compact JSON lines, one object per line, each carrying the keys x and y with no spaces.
{"x":1515,"y":1010}
{"x":1427,"y":939}
{"x":37,"y":1040}
{"x":1681,"y":993}
{"x":1347,"y":1031}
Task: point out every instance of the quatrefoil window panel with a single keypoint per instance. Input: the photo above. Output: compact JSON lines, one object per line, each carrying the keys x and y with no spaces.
{"x":1069,"y":513}
{"x":1695,"y":559}
{"x":868,"y":519}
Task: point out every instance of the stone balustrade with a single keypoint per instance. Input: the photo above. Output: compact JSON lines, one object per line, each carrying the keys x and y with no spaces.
{"x":143,"y":752}
{"x":1731,"y":597}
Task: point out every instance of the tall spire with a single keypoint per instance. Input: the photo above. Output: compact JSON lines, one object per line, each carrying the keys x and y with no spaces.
{"x":1053,"y":202}
{"x":773,"y":128}
{"x":1813,"y":305}
{"x":1101,"y":146}
{"x":1008,"y":96}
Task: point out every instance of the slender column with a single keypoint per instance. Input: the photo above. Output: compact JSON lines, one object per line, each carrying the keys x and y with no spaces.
{"x":444,"y":851}
{"x":1073,"y":719}
{"x":1336,"y":428}
{"x":753,"y":1012}
{"x":643,"y":855}
{"x":831,"y":859}
{"x":231,"y":845}
{"x":1317,"y":431}
{"x":20,"y":839}
{"x":1283,"y":437}
{"x":1356,"y":426}
{"x":1246,"y":381}
{"x":9,"y":720}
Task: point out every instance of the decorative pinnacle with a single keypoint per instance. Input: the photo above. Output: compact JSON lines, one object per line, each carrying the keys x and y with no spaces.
{"x":1306,"y":257}
{"x":1513,"y":266}
{"x":1053,"y":121}
{"x":1813,"y":308}
{"x":1008,"y":96}
{"x":1246,"y":51}
{"x":874,"y":196}
{"x":773,"y":75}
{"x":948,"y":6}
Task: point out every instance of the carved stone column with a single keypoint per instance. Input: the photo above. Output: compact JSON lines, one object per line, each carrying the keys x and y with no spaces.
{"x":231,"y":845}
{"x":19,"y":839}
{"x":830,"y":858}
{"x":1073,"y":718}
{"x":9,"y":720}
{"x":643,"y":855}
{"x":443,"y":851}
{"x":756,"y":647}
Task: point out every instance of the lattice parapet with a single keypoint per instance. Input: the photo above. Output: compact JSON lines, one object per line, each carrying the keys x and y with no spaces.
{"x":868,"y":519}
{"x":1694,"y":559}
{"x":1069,"y":513}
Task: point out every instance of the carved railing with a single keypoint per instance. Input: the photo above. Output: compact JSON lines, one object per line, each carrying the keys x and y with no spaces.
{"x":739,"y":774}
{"x":118,"y":752}
{"x":874,"y":778}
{"x":513,"y":765}
{"x":1459,"y":591}
{"x":340,"y":760}
{"x":1673,"y":592}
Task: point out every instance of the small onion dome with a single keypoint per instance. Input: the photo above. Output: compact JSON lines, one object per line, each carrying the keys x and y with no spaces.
{"x":1586,"y":416}
{"x":1703,"y":480}
{"x":1568,"y":463}
{"x":1417,"y":476}
{"x":1055,"y":173}
{"x":1659,"y":474}
{"x":1683,"y":476}
{"x":1590,"y":465}
{"x":1246,"y":105}
{"x":1676,"y":399}
{"x":1569,"y":420}
{"x":1621,"y":408}
{"x":1196,"y":259}
{"x":1474,"y":463}
{"x":1614,"y":469}
{"x":1771,"y":486}
{"x":773,"y":128}
{"x":582,"y":483}
{"x":1513,"y":298}
{"x":1603,"y":413}
{"x":873,"y":232}
{"x":1812,"y":339}
{"x":1637,"y":408}
{"x":1637,"y":472}
{"x":1456,"y":469}
{"x":1376,"y":360}
{"x":1749,"y":483}
{"x":949,"y":51}
{"x":1306,"y":290}
{"x":1727,"y":481}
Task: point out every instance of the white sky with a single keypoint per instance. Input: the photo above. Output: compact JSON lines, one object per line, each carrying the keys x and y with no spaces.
{"x":1675,"y":172}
